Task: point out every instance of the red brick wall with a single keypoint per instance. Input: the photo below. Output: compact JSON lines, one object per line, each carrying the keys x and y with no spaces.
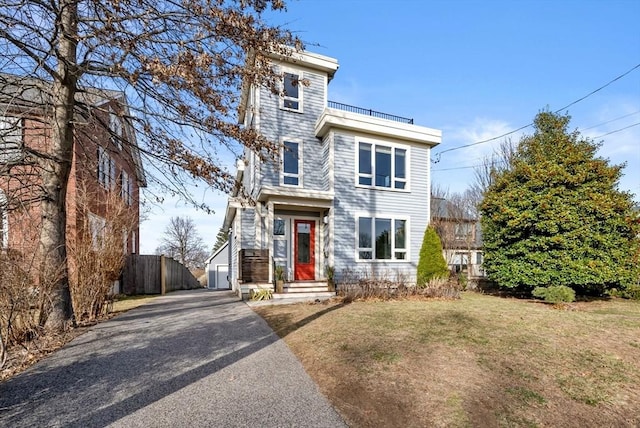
{"x":24,"y":222}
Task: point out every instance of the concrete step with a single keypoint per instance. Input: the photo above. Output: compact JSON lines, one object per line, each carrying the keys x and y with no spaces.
{"x":305,"y":289}
{"x":305,"y":295}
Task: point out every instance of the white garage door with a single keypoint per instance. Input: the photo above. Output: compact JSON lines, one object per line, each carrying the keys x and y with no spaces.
{"x":221,"y":276}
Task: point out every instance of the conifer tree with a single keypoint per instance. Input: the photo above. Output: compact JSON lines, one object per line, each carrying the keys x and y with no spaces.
{"x":556,"y":217}
{"x":431,"y":263}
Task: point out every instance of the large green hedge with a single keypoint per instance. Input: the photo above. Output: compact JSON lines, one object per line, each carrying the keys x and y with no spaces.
{"x":556,"y":217}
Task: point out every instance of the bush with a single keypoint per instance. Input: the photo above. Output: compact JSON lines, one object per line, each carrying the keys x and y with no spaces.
{"x":389,"y":286}
{"x":555,"y":294}
{"x":431,"y":263}
{"x":631,"y":292}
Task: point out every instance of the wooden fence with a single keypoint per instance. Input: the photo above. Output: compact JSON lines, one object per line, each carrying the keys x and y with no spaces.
{"x":144,"y":274}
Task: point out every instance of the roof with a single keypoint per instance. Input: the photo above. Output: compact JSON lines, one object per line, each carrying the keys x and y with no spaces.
{"x":218,"y":251}
{"x":30,"y":95}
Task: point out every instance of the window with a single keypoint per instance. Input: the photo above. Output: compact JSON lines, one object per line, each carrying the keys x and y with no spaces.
{"x":382,"y":238}
{"x":115,"y":126}
{"x":291,"y":164}
{"x":278,"y":227}
{"x":463,"y":231}
{"x":126,"y":189}
{"x":292,"y":92}
{"x":97,"y":227}
{"x":4,"y":222}
{"x":382,"y":165}
{"x":10,"y":138}
{"x":106,"y":169}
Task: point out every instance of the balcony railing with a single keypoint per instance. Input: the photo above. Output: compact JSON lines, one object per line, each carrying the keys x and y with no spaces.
{"x":369,"y":112}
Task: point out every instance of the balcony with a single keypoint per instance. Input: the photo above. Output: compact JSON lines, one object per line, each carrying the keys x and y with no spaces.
{"x":368,"y":112}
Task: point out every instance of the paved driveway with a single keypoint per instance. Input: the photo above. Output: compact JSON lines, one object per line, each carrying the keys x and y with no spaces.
{"x":189,"y":359}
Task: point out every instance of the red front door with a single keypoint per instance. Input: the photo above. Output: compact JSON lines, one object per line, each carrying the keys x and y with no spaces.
{"x":305,"y":244}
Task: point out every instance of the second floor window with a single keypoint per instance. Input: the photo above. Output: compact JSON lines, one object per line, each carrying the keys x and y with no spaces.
{"x":291,"y":164}
{"x":292,"y":92}
{"x":115,"y":126}
{"x":106,"y":169}
{"x":382,"y":165}
{"x":4,"y":222}
{"x":126,"y":188}
{"x":10,"y":138}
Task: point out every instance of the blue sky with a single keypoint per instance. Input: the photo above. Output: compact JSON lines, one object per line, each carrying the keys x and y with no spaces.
{"x":475,"y":70}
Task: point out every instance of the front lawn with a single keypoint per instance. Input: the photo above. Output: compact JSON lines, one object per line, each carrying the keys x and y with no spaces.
{"x":478,"y":361}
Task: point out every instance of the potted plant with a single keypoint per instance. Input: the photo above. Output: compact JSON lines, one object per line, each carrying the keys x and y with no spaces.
{"x":279,"y":271}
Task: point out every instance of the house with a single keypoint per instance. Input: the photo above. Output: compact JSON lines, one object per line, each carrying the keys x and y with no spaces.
{"x":461,"y":236}
{"x":349,"y":191}
{"x":106,"y":161}
{"x":217,"y":268}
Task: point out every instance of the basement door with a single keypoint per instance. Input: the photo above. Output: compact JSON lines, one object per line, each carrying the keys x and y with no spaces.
{"x":304,"y":252}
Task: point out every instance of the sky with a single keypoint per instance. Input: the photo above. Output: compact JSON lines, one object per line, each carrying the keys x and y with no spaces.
{"x":475,"y":70}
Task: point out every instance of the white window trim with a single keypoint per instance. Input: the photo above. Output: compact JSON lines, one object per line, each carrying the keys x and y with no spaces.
{"x":393,"y":218}
{"x":300,"y":174}
{"x":98,"y":230}
{"x":11,"y":146}
{"x":106,"y":169}
{"x":298,"y":73}
{"x":116,"y":128}
{"x":126,"y":190}
{"x":4,"y":221}
{"x":393,"y":146}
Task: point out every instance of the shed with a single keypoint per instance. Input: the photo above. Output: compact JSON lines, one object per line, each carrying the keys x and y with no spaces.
{"x":217,"y":268}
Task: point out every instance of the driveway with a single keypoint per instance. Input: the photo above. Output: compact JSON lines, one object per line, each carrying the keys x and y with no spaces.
{"x":188,"y":359}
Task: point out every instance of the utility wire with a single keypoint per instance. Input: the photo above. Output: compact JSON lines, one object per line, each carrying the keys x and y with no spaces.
{"x":618,"y":130}
{"x":609,"y":121}
{"x":501,"y":161}
{"x":528,"y":125}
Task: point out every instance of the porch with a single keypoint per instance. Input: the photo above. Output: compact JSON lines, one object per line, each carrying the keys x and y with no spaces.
{"x":296,"y":290}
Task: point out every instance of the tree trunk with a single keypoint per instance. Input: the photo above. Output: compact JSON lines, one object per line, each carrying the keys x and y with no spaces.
{"x":56,"y":170}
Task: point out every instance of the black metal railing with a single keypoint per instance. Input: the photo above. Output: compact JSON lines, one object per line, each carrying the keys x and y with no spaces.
{"x":369,"y":112}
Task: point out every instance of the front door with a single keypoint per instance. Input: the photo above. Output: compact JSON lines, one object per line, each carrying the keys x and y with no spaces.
{"x":305,"y":244}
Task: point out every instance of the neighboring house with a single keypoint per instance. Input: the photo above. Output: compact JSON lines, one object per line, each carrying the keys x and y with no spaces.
{"x":106,"y":161}
{"x":461,"y":237}
{"x":350,"y":189}
{"x":217,"y":268}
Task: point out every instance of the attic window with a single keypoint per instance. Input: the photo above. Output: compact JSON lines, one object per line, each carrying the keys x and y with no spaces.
{"x":292,"y":92}
{"x":115,"y":126}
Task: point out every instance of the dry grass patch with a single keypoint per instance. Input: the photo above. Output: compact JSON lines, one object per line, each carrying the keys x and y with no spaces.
{"x":478,"y":361}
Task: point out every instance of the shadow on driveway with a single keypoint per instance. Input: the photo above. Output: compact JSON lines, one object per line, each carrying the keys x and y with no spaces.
{"x":192,"y":358}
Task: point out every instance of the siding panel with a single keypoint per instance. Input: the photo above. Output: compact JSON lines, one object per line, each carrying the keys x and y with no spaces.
{"x":350,"y":200}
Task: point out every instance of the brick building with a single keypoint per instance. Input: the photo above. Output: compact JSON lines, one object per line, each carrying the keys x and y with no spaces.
{"x":106,"y":163}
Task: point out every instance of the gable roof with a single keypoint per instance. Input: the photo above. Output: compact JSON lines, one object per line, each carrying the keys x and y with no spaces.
{"x":218,"y":251}
{"x":29,"y":95}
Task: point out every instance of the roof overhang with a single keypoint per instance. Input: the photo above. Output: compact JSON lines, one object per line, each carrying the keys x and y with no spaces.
{"x":296,"y":197}
{"x":360,"y":123}
{"x":287,"y":55}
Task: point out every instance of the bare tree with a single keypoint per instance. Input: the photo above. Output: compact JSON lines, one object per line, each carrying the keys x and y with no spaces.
{"x":500,"y":160}
{"x":179,"y":65}
{"x":454,"y":216}
{"x":182,"y":242}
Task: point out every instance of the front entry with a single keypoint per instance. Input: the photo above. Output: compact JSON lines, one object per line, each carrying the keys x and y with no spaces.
{"x":305,"y":244}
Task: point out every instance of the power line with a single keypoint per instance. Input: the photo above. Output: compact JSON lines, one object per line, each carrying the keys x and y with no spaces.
{"x":502,"y":161}
{"x":528,"y":125}
{"x":617,"y":130}
{"x":611,"y":120}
